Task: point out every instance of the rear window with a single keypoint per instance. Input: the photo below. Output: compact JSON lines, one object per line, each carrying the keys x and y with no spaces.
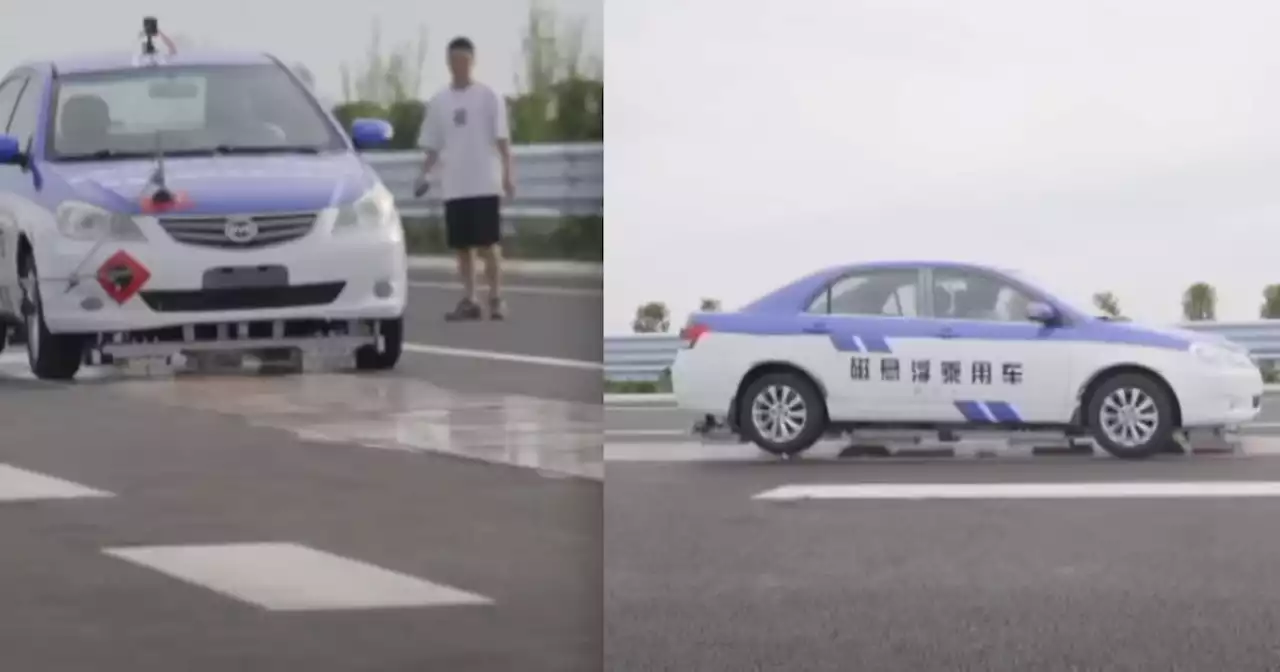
{"x":190,"y":109}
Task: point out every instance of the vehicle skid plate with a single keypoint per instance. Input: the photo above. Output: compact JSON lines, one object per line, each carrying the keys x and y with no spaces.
{"x":318,"y":337}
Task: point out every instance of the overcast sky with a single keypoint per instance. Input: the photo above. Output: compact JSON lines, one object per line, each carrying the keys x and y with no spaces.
{"x":1132,"y":146}
{"x":322,"y":36}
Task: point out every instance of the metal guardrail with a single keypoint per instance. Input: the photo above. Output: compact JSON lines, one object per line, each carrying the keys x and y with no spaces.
{"x":644,"y":357}
{"x":551,"y":180}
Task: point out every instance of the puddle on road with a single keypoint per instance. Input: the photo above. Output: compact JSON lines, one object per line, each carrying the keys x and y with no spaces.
{"x":556,"y":438}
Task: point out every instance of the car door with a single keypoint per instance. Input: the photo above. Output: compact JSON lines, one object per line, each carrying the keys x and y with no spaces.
{"x":993,"y":364}
{"x":13,"y":185}
{"x":872,"y":318}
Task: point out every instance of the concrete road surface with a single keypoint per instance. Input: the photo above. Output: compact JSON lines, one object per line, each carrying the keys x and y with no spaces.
{"x":702,"y":575}
{"x":446,"y":516}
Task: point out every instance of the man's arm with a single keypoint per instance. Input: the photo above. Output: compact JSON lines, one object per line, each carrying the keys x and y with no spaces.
{"x":430,"y":140}
{"x":502,"y":138}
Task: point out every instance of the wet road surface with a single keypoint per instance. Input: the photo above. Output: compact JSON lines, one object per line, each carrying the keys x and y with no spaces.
{"x":443,"y":516}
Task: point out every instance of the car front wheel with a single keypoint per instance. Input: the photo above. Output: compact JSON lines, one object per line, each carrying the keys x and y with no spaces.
{"x":51,"y":356}
{"x":1131,"y":417}
{"x":370,"y":358}
{"x":783,"y":414}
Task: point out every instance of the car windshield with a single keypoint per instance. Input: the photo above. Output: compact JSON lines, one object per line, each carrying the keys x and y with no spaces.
{"x":226,"y":109}
{"x":1080,"y":304}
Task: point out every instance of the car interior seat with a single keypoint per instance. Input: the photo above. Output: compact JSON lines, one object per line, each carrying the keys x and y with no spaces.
{"x":85,"y":125}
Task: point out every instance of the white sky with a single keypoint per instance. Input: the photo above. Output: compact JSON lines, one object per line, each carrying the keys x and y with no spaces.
{"x":1126,"y":146}
{"x":321,"y":36}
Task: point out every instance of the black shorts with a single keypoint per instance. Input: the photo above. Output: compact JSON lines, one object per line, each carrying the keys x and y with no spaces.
{"x":472,"y":222}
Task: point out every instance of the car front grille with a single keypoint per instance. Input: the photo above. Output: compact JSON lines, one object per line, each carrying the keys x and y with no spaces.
{"x":242,"y":298}
{"x":211,"y":231}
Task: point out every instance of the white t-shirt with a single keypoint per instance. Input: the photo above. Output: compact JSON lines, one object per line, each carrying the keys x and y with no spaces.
{"x":464,"y":126}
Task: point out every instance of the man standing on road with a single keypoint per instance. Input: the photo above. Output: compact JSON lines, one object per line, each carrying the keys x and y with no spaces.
{"x":466,"y":132}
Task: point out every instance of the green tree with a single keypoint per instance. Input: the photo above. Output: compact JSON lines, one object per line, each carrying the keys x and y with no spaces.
{"x":386,"y":77}
{"x":561,"y":92}
{"x":709,"y":305}
{"x":1270,"y":309}
{"x":1107,"y":303}
{"x":387,"y":86}
{"x":651,"y":318}
{"x":1200,"y":302}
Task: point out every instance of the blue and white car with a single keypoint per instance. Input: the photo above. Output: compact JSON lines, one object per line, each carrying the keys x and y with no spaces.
{"x":939,"y":345}
{"x":205,"y":201}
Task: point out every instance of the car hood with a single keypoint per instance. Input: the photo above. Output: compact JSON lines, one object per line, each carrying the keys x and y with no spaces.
{"x":1186,"y":336}
{"x":224,"y":185}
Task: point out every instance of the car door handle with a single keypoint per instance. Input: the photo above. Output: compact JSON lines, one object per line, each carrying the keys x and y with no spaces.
{"x":816,"y":328}
{"x":947,"y":332}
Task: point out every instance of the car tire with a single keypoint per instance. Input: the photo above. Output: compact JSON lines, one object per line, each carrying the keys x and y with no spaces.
{"x":1131,"y":416}
{"x":764,"y":409}
{"x":51,"y":356}
{"x":369,"y":358}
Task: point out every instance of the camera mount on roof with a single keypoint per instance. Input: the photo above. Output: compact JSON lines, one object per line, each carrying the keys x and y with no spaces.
{"x":150,"y":31}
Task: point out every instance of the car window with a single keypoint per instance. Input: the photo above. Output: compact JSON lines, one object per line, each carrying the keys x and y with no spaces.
{"x":889,"y":293}
{"x":197,"y":109}
{"x":9,"y":91}
{"x":27,"y":115}
{"x":972,"y":295}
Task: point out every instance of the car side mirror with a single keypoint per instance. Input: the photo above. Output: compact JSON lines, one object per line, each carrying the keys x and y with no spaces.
{"x":371,"y":133}
{"x":1039,"y":311}
{"x":11,"y":153}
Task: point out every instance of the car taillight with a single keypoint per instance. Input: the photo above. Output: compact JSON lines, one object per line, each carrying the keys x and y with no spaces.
{"x":692,"y":333}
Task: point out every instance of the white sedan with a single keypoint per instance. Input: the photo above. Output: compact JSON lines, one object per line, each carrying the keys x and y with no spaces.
{"x":202,"y":204}
{"x":939,"y":345}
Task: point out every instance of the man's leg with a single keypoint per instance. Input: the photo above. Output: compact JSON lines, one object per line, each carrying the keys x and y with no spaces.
{"x":492,"y":256}
{"x":467,"y":272}
{"x":457,"y":228}
{"x":489,"y":242}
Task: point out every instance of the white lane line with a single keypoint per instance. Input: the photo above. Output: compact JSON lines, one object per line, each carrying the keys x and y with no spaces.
{"x":443,"y":351}
{"x":1099,"y":490}
{"x":517,"y":289}
{"x":665,"y":402}
{"x":647,"y":432}
{"x":20,"y":485}
{"x":292,"y":577}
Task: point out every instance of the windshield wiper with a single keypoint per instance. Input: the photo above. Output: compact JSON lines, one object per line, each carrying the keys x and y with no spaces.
{"x":103,"y":155}
{"x":266,"y":149}
{"x":115,"y":155}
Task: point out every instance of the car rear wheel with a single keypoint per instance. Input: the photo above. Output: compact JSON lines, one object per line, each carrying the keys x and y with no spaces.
{"x":370,"y":358}
{"x":51,"y":356}
{"x":1131,"y":417}
{"x":783,"y":414}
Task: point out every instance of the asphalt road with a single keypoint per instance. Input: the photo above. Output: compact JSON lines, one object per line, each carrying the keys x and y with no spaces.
{"x":551,"y":339}
{"x":446,"y":516}
{"x":701,"y":576}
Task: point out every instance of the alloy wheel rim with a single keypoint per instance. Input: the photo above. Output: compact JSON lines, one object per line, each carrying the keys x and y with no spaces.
{"x":779,"y":413}
{"x":1129,"y":417}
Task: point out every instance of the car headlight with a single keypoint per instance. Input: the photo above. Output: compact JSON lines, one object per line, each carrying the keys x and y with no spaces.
{"x":82,"y":221}
{"x":1222,"y":356}
{"x":376,"y":209}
